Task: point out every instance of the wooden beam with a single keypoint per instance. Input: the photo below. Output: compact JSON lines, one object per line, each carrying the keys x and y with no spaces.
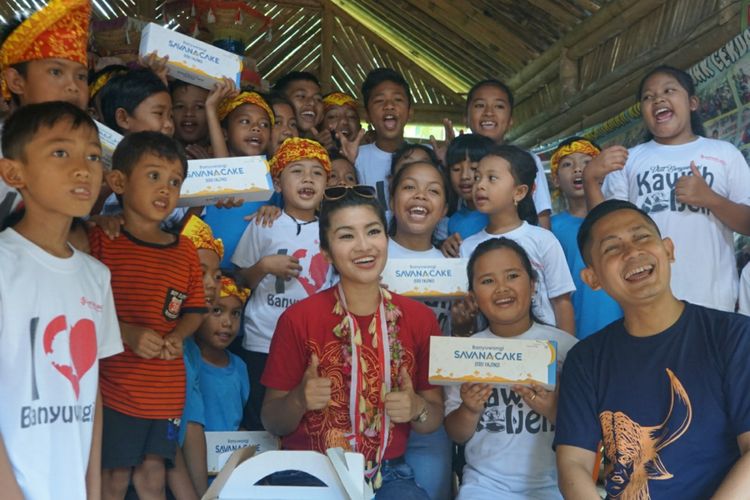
{"x":326,"y":49}
{"x":434,"y":114}
{"x":308,"y":4}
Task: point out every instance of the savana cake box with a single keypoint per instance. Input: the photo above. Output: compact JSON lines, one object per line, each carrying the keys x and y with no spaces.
{"x":190,"y":60}
{"x":426,"y":277}
{"x":455,"y":360}
{"x":209,"y":180}
{"x":109,"y":139}
{"x":218,"y":443}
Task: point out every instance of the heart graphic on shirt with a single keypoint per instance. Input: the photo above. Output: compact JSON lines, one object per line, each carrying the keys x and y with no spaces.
{"x":81,"y":344}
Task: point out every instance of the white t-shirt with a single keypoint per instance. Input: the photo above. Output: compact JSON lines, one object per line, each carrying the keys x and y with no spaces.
{"x":441,"y":308}
{"x":541,"y":196}
{"x":510,"y":455}
{"x":273,"y":294}
{"x":57,"y":319}
{"x":546,"y":256}
{"x":373,"y":167}
{"x":704,"y":269}
{"x":744,"y":299}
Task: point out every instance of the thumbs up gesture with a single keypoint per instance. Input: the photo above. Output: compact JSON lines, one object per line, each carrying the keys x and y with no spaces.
{"x":403,"y":405}
{"x":317,"y":389}
{"x":693,"y":189}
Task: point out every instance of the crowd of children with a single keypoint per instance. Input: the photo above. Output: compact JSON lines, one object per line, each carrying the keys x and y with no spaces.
{"x":131,"y":327}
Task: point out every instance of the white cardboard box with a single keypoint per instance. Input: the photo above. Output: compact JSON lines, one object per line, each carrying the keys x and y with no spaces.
{"x":190,"y":60}
{"x":218,"y":443}
{"x":455,"y":360}
{"x":209,"y":180}
{"x":427,"y":277}
{"x":109,"y":139}
{"x":342,"y":473}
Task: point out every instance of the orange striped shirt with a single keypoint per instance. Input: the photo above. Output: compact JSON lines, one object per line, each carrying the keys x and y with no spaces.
{"x":152,"y":286}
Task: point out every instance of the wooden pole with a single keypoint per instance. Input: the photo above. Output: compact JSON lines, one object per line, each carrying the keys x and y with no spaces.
{"x":326,"y":48}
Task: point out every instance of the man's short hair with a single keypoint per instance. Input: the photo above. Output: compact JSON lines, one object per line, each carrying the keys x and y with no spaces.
{"x":21,"y":127}
{"x":599,"y":212}
{"x":133,"y":146}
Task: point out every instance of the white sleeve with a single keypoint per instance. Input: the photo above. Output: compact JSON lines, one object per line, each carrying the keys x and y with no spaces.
{"x":247,"y":253}
{"x":452,"y":394}
{"x":556,"y":272}
{"x":541,"y":196}
{"x":108,"y":339}
{"x":738,"y":178}
{"x":616,"y":185}
{"x":745,"y":291}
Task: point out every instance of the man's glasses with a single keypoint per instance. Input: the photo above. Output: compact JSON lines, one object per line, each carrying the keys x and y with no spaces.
{"x":337,"y":192}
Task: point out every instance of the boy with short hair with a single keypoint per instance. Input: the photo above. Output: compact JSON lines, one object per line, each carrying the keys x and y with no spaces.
{"x":282,"y":264}
{"x":158,"y":289}
{"x":665,"y":388}
{"x":57,"y":316}
{"x":302,"y":89}
{"x":136,"y":101}
{"x":35,"y":70}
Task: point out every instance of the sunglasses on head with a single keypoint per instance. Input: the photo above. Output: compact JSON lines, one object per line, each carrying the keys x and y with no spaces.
{"x":338,"y":192}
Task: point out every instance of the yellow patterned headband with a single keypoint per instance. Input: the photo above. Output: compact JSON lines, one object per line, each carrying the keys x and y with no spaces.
{"x":296,"y":148}
{"x":229,"y":105}
{"x":58,"y":31}
{"x":102,"y":80}
{"x":580,"y":146}
{"x":339,"y":99}
{"x":200,"y":234}
{"x":230,"y":289}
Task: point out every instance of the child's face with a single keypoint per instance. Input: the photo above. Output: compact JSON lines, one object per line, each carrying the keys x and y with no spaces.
{"x":503,"y":290}
{"x":189,"y":111}
{"x":248,"y":130}
{"x":51,"y":80}
{"x":415,"y":155}
{"x":307,"y":100}
{"x":666,"y":107}
{"x":220,"y":327}
{"x":462,"y":179}
{"x":60,"y":171}
{"x":489,"y":113}
{"x":343,"y":120}
{"x":153,"y":114}
{"x":418,"y":201}
{"x":151,"y":190}
{"x":388,"y":110}
{"x":284,"y":127}
{"x":495,"y":189}
{"x":302,"y":184}
{"x":210,"y":265}
{"x":569,"y":178}
{"x":629,"y":259}
{"x":342,"y":173}
{"x":358,"y":244}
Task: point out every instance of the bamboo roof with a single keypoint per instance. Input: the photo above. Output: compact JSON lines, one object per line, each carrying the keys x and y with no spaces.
{"x":570,"y":63}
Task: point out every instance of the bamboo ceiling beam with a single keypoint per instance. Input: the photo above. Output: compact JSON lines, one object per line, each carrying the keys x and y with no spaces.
{"x":326,"y":49}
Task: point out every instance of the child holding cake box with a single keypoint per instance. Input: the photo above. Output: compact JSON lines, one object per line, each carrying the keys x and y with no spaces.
{"x":508,"y":432}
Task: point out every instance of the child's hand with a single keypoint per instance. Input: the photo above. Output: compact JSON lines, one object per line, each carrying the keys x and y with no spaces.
{"x":452,"y":245}
{"x":223,"y":89}
{"x":350,"y":148}
{"x":610,"y":159}
{"x":196,"y":152}
{"x":145,"y":342}
{"x":463,"y":314}
{"x":475,"y":396}
{"x":402,"y":404}
{"x":110,"y":224}
{"x":693,"y":189}
{"x":230,"y":202}
{"x":539,"y":399}
{"x":283,"y":266}
{"x":172,"y":348}
{"x":316,"y":389}
{"x":440,"y":148}
{"x":325,"y":137}
{"x":156,"y":64}
{"x":265,"y":215}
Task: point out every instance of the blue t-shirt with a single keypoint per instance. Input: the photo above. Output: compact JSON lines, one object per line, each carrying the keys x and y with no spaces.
{"x":594,"y":309}
{"x":193,"y":411}
{"x":668,"y":407}
{"x":466,"y":222}
{"x":225,"y":391}
{"x":229,"y":224}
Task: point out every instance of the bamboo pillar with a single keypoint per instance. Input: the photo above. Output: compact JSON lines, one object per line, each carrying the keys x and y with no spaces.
{"x":326,"y":48}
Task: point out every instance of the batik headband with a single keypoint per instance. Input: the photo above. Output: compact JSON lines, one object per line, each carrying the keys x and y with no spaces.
{"x":580,"y":146}
{"x":229,"y":105}
{"x":230,"y":289}
{"x":197,"y":231}
{"x":295,"y":149}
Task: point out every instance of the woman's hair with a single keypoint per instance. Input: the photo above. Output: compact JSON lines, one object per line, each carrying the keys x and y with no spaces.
{"x":350,"y":199}
{"x":400,"y":175}
{"x":491,"y":82}
{"x":523,"y":169}
{"x":686,"y":82}
{"x":406,"y":149}
{"x":492,"y":244}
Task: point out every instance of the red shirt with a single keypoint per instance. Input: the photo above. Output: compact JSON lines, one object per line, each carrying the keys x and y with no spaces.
{"x":306,"y":328}
{"x":153,"y":285}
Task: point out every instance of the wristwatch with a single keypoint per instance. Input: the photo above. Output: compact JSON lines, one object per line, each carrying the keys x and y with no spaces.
{"x":422,"y":417}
